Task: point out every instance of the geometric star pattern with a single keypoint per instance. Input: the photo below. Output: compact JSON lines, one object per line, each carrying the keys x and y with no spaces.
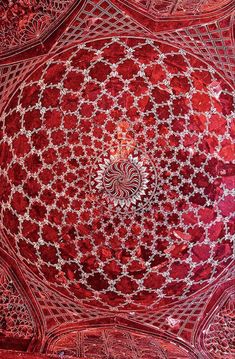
{"x":120,"y":98}
{"x":117,"y":178}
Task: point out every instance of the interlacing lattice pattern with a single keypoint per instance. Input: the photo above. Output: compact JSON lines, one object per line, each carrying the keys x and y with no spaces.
{"x":79,"y":109}
{"x":219,"y":337}
{"x":11,"y":76}
{"x":99,"y":19}
{"x":26,"y":20}
{"x":180,"y":320}
{"x":184,"y":318}
{"x":15,"y":320}
{"x":57,"y":309}
{"x":213,"y":42}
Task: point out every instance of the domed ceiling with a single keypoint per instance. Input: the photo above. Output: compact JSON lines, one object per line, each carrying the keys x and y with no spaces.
{"x":118,"y":162}
{"x":117,"y":188}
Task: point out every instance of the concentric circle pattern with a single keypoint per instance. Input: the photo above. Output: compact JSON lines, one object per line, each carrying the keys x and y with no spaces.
{"x":117,"y":181}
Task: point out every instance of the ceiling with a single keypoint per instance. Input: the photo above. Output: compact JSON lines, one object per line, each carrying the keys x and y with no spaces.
{"x":117,"y":179}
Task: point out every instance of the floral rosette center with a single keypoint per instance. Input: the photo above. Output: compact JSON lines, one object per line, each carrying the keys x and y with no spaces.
{"x":122,"y":180}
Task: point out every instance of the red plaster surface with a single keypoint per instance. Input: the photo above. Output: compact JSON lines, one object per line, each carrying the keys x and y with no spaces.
{"x":117,"y":201}
{"x":117,"y":179}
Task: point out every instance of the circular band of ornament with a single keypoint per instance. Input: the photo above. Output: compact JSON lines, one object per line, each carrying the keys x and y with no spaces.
{"x":124,"y":178}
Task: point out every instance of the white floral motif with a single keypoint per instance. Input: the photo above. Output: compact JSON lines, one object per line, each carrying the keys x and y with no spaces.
{"x":123,"y":180}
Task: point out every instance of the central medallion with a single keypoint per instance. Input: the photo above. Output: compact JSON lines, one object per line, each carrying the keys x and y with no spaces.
{"x":124,"y":177}
{"x":124,"y":180}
